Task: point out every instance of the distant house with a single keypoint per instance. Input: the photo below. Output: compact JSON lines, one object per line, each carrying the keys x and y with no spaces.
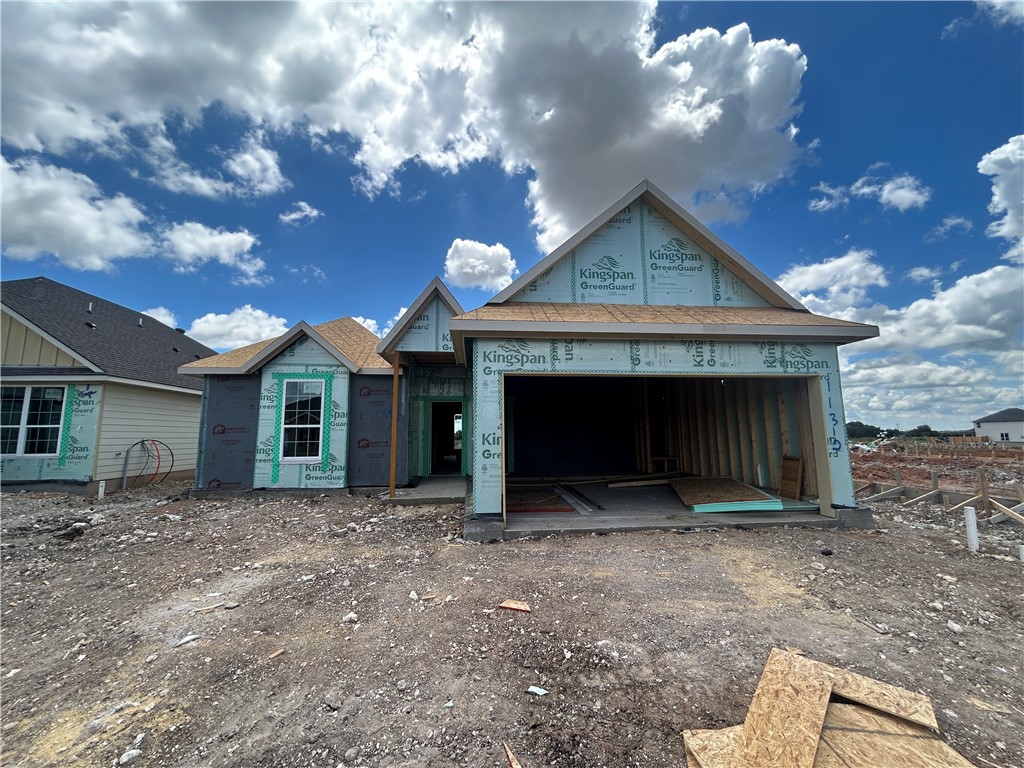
{"x":1005,"y":426}
{"x":86,"y":381}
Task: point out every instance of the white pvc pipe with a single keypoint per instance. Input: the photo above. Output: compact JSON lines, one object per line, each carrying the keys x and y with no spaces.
{"x":971,"y":518}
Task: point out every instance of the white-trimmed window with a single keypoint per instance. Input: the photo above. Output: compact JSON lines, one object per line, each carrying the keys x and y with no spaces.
{"x":30,"y":420}
{"x":302,"y":421}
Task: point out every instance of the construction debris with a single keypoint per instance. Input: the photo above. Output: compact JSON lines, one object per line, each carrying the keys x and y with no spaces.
{"x":516,"y":605}
{"x":512,"y":762}
{"x":800,"y":718}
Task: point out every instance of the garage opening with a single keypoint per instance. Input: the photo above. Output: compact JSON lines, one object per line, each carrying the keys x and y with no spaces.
{"x":585,"y":433}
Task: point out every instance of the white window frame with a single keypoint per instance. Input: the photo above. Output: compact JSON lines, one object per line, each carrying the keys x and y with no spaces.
{"x":23,"y":425}
{"x":284,"y":427}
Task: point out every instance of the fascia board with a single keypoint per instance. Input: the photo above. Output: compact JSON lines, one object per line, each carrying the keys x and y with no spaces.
{"x":376,"y":372}
{"x":56,"y":342}
{"x":435,"y":287}
{"x":282,"y":342}
{"x":504,"y":329}
{"x":596,"y":223}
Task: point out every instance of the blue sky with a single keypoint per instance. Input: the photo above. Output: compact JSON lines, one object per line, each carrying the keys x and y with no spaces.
{"x":233,"y":169}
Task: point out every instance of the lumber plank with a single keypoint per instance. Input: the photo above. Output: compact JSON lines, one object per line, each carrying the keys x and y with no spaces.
{"x":639,"y":483}
{"x":1007,"y":511}
{"x":892,"y":699}
{"x":791,"y":477}
{"x":783,"y":724}
{"x":963,"y":504}
{"x":922,"y":497}
{"x":898,"y":490}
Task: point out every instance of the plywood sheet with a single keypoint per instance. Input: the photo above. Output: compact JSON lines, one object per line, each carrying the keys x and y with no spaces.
{"x":534,"y":499}
{"x":858,"y":736}
{"x":713,"y":749}
{"x":722,"y":494}
{"x":784,"y":721}
{"x":791,"y":478}
{"x":911,"y":706}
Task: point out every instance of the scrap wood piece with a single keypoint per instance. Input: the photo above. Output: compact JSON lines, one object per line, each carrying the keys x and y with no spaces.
{"x":784,"y":721}
{"x":276,"y":653}
{"x":208,"y":608}
{"x":512,"y":762}
{"x":791,"y":477}
{"x":516,"y":605}
{"x":1008,"y":511}
{"x":915,"y":707}
{"x":712,"y":749}
{"x":858,"y":736}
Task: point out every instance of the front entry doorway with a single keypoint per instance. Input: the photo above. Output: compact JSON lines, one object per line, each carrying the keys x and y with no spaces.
{"x":445,"y":438}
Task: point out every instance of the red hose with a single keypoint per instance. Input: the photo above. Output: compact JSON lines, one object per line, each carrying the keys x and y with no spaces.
{"x":156,"y":447}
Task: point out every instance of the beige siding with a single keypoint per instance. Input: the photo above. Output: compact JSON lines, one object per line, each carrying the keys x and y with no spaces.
{"x":131,"y":414}
{"x":23,"y":346}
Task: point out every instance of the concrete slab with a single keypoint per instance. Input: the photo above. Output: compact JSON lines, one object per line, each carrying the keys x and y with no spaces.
{"x":436,"y":489}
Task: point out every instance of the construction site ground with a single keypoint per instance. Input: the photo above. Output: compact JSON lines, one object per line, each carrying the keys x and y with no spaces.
{"x":155,"y":629}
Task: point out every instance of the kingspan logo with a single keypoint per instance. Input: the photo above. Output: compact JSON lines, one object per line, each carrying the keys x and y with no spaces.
{"x":607,"y":270}
{"x":676,"y":255}
{"x":514,"y":353}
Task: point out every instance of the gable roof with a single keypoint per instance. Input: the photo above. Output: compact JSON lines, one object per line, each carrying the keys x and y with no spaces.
{"x":1007,"y":414}
{"x":109,"y":338}
{"x":345,"y":339}
{"x":435,"y":287}
{"x":685,"y":222}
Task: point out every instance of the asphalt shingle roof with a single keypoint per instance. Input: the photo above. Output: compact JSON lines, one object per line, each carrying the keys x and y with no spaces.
{"x":1007,"y":414}
{"x":109,"y":336}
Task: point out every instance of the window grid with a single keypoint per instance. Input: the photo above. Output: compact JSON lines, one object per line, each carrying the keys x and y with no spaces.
{"x":30,"y":426}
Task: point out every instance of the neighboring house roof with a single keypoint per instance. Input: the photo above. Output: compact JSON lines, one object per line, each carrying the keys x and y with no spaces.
{"x":435,"y":287}
{"x":106,"y":336}
{"x":636,"y":321}
{"x":345,"y":338}
{"x":686,"y":223}
{"x":1007,"y":414}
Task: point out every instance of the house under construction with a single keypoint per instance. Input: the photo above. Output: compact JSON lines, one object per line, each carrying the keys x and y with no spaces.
{"x":643,"y":346}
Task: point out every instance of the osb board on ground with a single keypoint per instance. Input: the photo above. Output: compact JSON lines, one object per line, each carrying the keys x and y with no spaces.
{"x":852,"y":736}
{"x":791,"y":724}
{"x":722,"y":494}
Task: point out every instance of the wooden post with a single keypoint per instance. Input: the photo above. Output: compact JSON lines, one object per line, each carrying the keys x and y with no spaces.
{"x":983,"y":491}
{"x":394,"y":424}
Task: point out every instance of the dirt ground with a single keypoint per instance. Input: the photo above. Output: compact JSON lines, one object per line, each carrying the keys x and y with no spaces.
{"x":152,"y":629}
{"x":954,"y":470}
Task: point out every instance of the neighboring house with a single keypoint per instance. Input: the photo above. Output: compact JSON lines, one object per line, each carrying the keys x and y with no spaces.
{"x":643,"y":344}
{"x":1005,"y":426}
{"x":84,"y":381}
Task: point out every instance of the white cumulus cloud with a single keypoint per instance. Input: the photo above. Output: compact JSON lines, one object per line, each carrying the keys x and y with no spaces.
{"x":1006,"y":167}
{"x":831,"y":198}
{"x":163,"y":314}
{"x":709,"y":116}
{"x":901,"y":192}
{"x":242,"y":326}
{"x":191,"y":244}
{"x":51,"y":211}
{"x":1003,"y":11}
{"x":374,"y":327}
{"x":470,"y":264}
{"x":923,"y":274}
{"x":834,"y":286}
{"x":949,"y":225}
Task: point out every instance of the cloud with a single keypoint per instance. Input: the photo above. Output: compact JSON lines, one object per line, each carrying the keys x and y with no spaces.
{"x":900,"y":192}
{"x":242,"y":326}
{"x":374,"y":327}
{"x":708,"y":116}
{"x":948,"y":225}
{"x":192,"y":244}
{"x":163,"y":314}
{"x":1003,"y":11}
{"x":51,"y":211}
{"x":308,"y":272}
{"x":1006,"y":167}
{"x":256,"y":167}
{"x":302,"y":212}
{"x":832,"y":197}
{"x":845,"y":281}
{"x":923,"y":274}
{"x":470,"y":264}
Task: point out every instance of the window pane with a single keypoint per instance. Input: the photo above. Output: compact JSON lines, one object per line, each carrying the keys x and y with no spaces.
{"x":301,"y":442}
{"x":303,"y":402}
{"x":41,"y":440}
{"x":11,"y":401}
{"x":8,"y":439}
{"x":45,"y":406}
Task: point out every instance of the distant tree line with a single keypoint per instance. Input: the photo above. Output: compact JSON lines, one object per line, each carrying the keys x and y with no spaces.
{"x":860,"y":430}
